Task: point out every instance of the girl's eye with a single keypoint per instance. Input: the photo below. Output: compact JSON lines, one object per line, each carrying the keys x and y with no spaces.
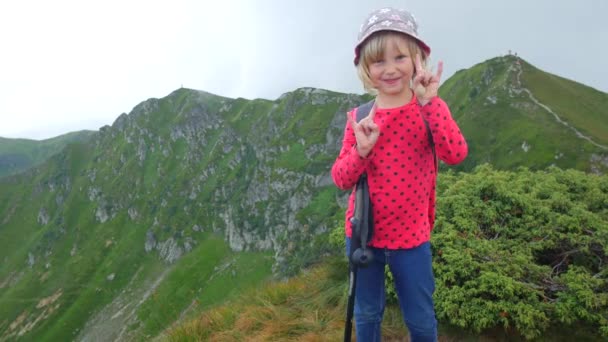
{"x":401,"y":57}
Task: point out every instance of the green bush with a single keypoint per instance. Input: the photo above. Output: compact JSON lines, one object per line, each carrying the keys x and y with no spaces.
{"x":523,"y":250}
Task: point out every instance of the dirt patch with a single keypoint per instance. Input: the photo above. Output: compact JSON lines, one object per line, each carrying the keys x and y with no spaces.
{"x":115,"y":321}
{"x":17,"y":322}
{"x":26,"y":321}
{"x":49,"y":300}
{"x":45,"y":276}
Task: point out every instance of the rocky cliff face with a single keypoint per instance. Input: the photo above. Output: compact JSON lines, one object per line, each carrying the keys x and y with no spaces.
{"x":244,"y":169}
{"x":157,"y":182}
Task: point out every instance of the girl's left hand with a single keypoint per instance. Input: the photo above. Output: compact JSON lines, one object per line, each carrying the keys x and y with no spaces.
{"x":425,"y":83}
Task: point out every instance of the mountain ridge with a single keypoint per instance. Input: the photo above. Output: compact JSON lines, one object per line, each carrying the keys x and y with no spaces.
{"x":150,"y":192}
{"x":495,"y":112}
{"x":19,"y":154}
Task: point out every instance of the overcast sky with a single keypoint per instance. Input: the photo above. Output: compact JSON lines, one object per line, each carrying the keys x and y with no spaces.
{"x":68,"y":65}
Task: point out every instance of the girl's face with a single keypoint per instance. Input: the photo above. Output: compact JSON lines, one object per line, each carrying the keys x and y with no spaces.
{"x":392,"y":72}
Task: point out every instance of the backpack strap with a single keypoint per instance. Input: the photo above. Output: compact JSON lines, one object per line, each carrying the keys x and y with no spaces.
{"x":363,"y":110}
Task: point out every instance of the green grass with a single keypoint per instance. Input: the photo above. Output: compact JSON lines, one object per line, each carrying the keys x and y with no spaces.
{"x":583,"y":107}
{"x":250,"y":116}
{"x":85,"y":277}
{"x":300,"y":309}
{"x":294,"y":159}
{"x":322,"y":207}
{"x":206,"y":276}
{"x":496,"y":132}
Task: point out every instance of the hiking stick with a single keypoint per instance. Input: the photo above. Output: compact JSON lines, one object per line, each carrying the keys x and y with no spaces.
{"x":358,"y":255}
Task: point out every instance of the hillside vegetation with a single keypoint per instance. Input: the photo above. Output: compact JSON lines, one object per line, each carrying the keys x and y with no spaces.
{"x":517,"y":255}
{"x":17,"y":155}
{"x":513,"y":114}
{"x":192,"y":198}
{"x":174,"y":204}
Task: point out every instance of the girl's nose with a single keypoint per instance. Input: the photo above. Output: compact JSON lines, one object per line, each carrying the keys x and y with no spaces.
{"x":390,"y":68}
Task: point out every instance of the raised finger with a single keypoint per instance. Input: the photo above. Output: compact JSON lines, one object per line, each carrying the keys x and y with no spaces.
{"x":439,"y":70}
{"x":372,"y":112}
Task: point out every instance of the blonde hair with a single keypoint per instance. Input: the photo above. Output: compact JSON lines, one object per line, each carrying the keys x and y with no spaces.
{"x":373,"y":50}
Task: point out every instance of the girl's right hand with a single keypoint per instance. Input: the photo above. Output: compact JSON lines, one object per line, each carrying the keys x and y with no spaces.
{"x":425,"y":84}
{"x":366,"y":132}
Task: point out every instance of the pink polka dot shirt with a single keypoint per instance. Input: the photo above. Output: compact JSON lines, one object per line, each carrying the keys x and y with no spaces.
{"x":401,"y":170}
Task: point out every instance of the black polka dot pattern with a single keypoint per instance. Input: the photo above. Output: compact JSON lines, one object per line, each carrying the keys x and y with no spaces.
{"x":401,"y":170}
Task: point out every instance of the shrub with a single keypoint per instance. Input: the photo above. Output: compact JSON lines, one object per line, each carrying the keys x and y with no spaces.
{"x":520,"y":249}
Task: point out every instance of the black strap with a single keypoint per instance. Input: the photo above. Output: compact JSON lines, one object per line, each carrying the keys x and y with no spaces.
{"x":361,"y":220}
{"x":363,"y":110}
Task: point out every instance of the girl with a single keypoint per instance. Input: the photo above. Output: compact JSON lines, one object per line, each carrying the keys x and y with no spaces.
{"x":392,"y":145}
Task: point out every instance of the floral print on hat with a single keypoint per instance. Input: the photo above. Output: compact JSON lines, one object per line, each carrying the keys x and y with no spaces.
{"x":389,"y":19}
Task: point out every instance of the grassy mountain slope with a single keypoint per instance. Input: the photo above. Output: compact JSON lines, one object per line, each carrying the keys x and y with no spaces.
{"x":507,"y":110}
{"x":63,"y":273}
{"x":581,"y":106}
{"x":17,"y":155}
{"x":309,"y":307}
{"x":132,"y":222}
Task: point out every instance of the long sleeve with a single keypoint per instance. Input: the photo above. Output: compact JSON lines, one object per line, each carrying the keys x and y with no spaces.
{"x":349,"y":165}
{"x":450,"y":144}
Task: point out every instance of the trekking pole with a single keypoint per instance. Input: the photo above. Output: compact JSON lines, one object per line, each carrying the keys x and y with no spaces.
{"x":350,"y":307}
{"x":358,"y":254}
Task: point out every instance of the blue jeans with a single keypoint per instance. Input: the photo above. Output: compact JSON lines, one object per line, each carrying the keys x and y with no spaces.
{"x":414,"y":282}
